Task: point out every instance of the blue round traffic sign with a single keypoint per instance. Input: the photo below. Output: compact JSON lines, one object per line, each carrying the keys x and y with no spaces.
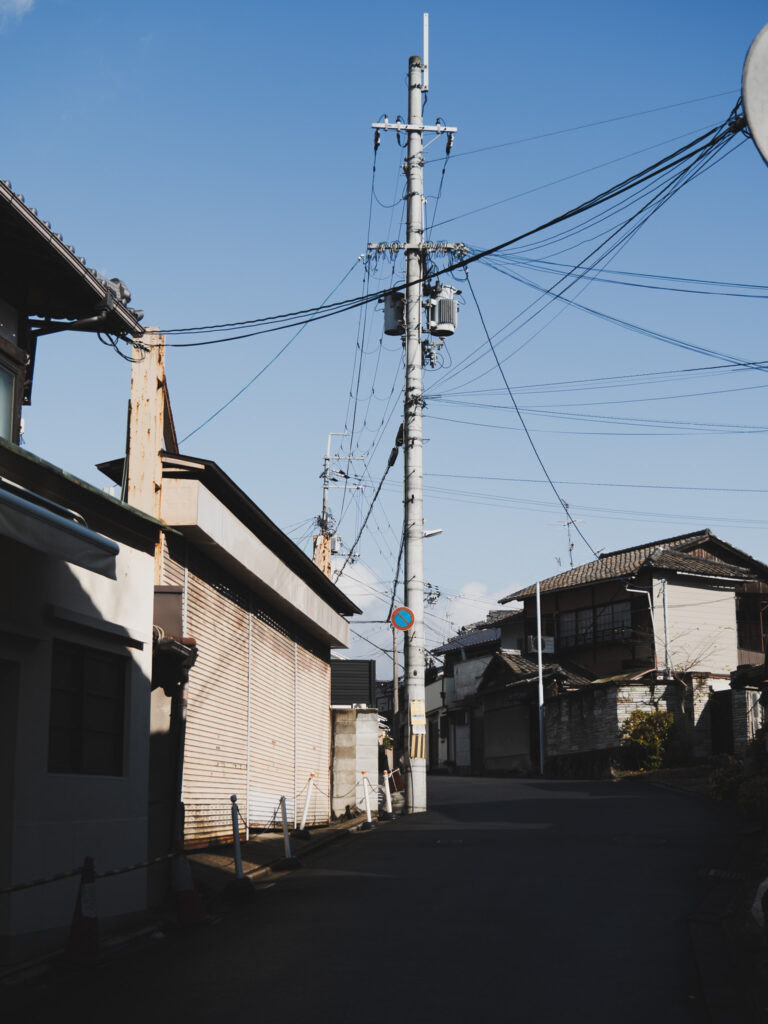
{"x":402,"y":618}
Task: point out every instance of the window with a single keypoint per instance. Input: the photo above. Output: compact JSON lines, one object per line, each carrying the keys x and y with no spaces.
{"x":584,"y":626}
{"x":566,"y":633}
{"x":613,"y":621}
{"x":603,"y":624}
{"x":87,"y":711}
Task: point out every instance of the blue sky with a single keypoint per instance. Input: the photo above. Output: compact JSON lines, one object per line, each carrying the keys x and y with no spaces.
{"x":218,"y":159}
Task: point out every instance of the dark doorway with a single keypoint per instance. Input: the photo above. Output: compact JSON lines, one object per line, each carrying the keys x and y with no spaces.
{"x":722,"y":722}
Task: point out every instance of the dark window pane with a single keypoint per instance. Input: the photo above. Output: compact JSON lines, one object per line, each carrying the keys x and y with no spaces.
{"x":87,"y":711}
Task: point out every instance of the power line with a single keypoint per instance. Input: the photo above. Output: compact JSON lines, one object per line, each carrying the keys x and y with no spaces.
{"x":567,"y":177}
{"x":589,"y":124}
{"x":698,"y":147}
{"x":264,"y":368}
{"x":525,"y":428}
{"x":390,"y":463}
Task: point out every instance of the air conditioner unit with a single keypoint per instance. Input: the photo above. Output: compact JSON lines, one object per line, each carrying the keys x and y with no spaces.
{"x":547,"y":645}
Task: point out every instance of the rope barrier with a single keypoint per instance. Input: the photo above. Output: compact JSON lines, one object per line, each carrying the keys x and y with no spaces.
{"x":19,"y":886}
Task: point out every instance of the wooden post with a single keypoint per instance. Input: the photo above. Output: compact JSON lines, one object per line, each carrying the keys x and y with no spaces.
{"x":144,"y":479}
{"x":321,"y":554}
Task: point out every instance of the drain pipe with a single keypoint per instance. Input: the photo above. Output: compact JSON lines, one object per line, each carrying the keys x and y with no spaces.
{"x":646,"y":592}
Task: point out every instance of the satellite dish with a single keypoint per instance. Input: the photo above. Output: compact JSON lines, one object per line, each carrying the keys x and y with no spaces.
{"x":754,"y":91}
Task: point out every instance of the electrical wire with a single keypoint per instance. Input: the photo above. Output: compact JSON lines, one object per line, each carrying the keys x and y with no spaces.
{"x":689,"y":152}
{"x":539,"y":459}
{"x":264,"y":368}
{"x":591,"y":124}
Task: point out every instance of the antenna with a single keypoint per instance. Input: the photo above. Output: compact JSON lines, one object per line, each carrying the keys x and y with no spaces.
{"x":425,"y":58}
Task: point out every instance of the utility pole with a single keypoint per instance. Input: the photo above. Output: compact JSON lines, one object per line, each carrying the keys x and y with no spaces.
{"x":322,"y":542}
{"x":415,"y":250}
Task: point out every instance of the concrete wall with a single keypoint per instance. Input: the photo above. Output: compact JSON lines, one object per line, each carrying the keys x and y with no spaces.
{"x":355,"y":733}
{"x":466,"y":676}
{"x":56,"y":819}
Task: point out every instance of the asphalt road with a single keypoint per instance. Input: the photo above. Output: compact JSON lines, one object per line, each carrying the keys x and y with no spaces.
{"x":510,"y":900}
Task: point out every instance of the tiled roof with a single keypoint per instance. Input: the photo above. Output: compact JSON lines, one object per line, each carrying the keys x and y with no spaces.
{"x":24,"y":231}
{"x":679,"y":561}
{"x":627,"y":561}
{"x":472,"y":638}
{"x":527,"y":669}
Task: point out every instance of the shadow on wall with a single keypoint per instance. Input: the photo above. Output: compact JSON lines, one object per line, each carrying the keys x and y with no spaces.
{"x":74,"y":741}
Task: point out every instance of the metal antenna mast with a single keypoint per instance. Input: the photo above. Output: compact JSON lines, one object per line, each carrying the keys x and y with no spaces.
{"x":415,"y":249}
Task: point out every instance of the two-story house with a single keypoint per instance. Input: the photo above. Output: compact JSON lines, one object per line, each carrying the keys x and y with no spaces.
{"x":664,"y":623}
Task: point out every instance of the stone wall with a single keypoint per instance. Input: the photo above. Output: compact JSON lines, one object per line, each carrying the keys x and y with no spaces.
{"x":591,"y":718}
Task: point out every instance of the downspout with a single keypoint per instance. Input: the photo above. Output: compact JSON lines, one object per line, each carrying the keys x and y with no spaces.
{"x":647,"y":595}
{"x":183,"y":701}
{"x":667,"y":672}
{"x":248,"y":732}
{"x":295,"y":711}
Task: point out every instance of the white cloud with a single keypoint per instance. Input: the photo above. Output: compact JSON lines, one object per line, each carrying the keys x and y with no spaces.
{"x":361,"y":586}
{"x":472,"y":603}
{"x":15,"y":9}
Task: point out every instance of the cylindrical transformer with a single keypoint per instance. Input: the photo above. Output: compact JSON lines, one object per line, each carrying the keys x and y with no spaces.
{"x":443,"y":311}
{"x":394,"y":313}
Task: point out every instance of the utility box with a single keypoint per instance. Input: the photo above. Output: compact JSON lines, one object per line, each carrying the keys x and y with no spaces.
{"x":443,"y":311}
{"x":394,"y":313}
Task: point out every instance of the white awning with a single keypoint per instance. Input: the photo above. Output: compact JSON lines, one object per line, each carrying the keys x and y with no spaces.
{"x":55,"y":535}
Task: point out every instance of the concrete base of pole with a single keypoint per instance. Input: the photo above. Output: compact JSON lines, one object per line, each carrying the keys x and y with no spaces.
{"x":240,"y":889}
{"x":367,"y":826}
{"x":301,"y":833}
{"x":416,"y":787}
{"x":287,"y":864}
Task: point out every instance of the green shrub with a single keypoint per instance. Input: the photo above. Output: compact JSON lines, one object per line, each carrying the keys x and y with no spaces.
{"x":752,"y":796}
{"x":645,"y":737}
{"x":726,"y":779}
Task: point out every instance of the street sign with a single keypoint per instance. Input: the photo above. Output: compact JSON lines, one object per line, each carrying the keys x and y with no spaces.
{"x":402,"y":618}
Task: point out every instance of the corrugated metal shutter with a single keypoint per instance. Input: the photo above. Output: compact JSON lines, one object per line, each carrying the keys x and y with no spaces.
{"x":272,"y":721}
{"x":313,"y":734}
{"x":215,"y":751}
{"x":264,"y":754}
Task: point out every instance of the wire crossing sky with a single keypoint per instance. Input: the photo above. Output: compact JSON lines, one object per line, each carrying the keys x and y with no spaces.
{"x":633,"y":343}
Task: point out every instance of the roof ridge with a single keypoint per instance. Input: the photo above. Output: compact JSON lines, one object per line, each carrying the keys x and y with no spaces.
{"x":664,"y":542}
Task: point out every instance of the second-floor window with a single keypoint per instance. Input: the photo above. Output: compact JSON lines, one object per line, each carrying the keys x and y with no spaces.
{"x":595,"y":625}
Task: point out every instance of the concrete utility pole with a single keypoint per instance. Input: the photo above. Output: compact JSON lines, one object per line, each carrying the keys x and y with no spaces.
{"x":412,"y":419}
{"x":415,"y":249}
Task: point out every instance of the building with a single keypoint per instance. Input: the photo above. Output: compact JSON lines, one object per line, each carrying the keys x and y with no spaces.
{"x":75,"y":621}
{"x":264,"y":618}
{"x":452,"y":706}
{"x":663,"y":624}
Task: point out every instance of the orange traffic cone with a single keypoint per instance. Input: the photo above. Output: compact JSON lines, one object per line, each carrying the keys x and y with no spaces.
{"x":189,"y":905}
{"x":83,"y":946}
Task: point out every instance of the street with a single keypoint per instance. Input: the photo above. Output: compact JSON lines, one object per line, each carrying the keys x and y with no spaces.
{"x":512,"y":900}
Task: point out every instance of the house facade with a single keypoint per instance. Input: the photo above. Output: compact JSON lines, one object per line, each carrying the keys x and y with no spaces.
{"x":679,"y":614}
{"x":454,"y":718}
{"x":75,"y":621}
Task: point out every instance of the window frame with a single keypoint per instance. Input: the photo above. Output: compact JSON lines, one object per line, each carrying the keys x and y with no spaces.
{"x":69,"y":679}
